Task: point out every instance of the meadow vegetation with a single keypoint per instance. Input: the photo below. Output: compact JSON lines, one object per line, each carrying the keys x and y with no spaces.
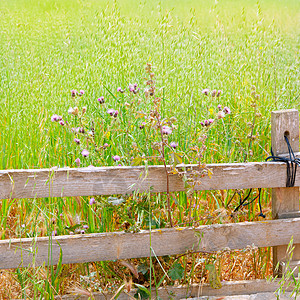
{"x":249,"y":50}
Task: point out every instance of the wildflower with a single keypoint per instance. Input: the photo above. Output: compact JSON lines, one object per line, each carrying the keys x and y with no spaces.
{"x":101,"y":100}
{"x":219,"y":93}
{"x":202,"y":123}
{"x":131,"y":87}
{"x":92,"y":201}
{"x":84,"y":109}
{"x":221,"y":114}
{"x":210,"y":121}
{"x":82,"y":231}
{"x":213,"y":93}
{"x":105,"y":145}
{"x":116,"y":158}
{"x":85,"y":153}
{"x":77,"y":141}
{"x":80,"y":129}
{"x":62,"y":123}
{"x":174,"y":145}
{"x":142,"y":125}
{"x":119,"y":89}
{"x":73,"y":93}
{"x":205,"y":92}
{"x":226,"y":110}
{"x":116,"y":113}
{"x":77,"y":161}
{"x":55,"y":118}
{"x":54,"y":233}
{"x":23,"y":225}
{"x":71,"y":111}
{"x":111,"y":111}
{"x":81,"y":92}
{"x":85,"y":226}
{"x":119,"y":165}
{"x":146,"y":91}
{"x":166,"y":130}
{"x":136,"y":91}
{"x":75,"y":111}
{"x":219,"y":106}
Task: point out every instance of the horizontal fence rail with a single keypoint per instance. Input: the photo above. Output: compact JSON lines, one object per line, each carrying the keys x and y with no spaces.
{"x":119,"y":245}
{"x":93,"y":181}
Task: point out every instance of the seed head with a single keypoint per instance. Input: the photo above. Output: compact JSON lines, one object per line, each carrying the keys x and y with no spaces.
{"x":220,"y":114}
{"x":84,"y":109}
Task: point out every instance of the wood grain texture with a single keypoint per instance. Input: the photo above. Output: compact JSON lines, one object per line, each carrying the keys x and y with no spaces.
{"x":120,"y":245}
{"x":229,"y":288}
{"x":285,"y":201}
{"x":124,"y":180}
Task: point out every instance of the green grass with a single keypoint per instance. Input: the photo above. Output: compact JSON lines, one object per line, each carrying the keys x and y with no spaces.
{"x":49,"y":47}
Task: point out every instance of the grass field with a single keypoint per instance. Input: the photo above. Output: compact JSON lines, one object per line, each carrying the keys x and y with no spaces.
{"x":50,"y":47}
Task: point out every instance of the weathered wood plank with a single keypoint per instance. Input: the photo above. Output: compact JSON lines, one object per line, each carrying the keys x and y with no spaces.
{"x":243,"y":287}
{"x":285,"y":201}
{"x":123,"y":180}
{"x":120,"y":245}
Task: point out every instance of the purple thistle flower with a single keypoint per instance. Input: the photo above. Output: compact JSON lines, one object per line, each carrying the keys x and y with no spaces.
{"x":105,"y":145}
{"x":219,"y":106}
{"x":82,"y":231}
{"x":116,"y":158}
{"x":213,"y":93}
{"x":219,"y":93}
{"x":62,"y":123}
{"x":119,"y":165}
{"x":135,"y":86}
{"x":55,"y":118}
{"x":77,"y":141}
{"x":111,"y":111}
{"x":54,"y":233}
{"x":85,"y":153}
{"x":226,"y":110}
{"x":116,"y":113}
{"x":73,"y":93}
{"x":202,"y":123}
{"x":136,"y":91}
{"x":205,"y":92}
{"x":119,"y":89}
{"x":210,"y":121}
{"x":166,"y":130}
{"x":206,"y":123}
{"x":174,"y":145}
{"x":80,"y":129}
{"x":92,"y":201}
{"x":77,"y":161}
{"x":142,"y":125}
{"x":85,"y":226}
{"x":101,"y":100}
{"x":131,"y":87}
{"x":81,"y":92}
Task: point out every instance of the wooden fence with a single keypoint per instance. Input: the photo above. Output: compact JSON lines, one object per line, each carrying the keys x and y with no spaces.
{"x":123,"y":180}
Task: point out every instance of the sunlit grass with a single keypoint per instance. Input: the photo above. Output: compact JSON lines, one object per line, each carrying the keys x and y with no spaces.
{"x":49,"y":47}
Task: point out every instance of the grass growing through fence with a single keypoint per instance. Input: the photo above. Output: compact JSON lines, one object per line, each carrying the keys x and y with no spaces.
{"x":49,"y":47}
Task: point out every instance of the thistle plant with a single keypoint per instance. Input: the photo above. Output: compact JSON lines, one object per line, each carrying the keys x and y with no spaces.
{"x":140,"y":111}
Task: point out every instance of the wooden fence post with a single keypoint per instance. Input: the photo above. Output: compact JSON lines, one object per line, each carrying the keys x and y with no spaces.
{"x":285,"y":201}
